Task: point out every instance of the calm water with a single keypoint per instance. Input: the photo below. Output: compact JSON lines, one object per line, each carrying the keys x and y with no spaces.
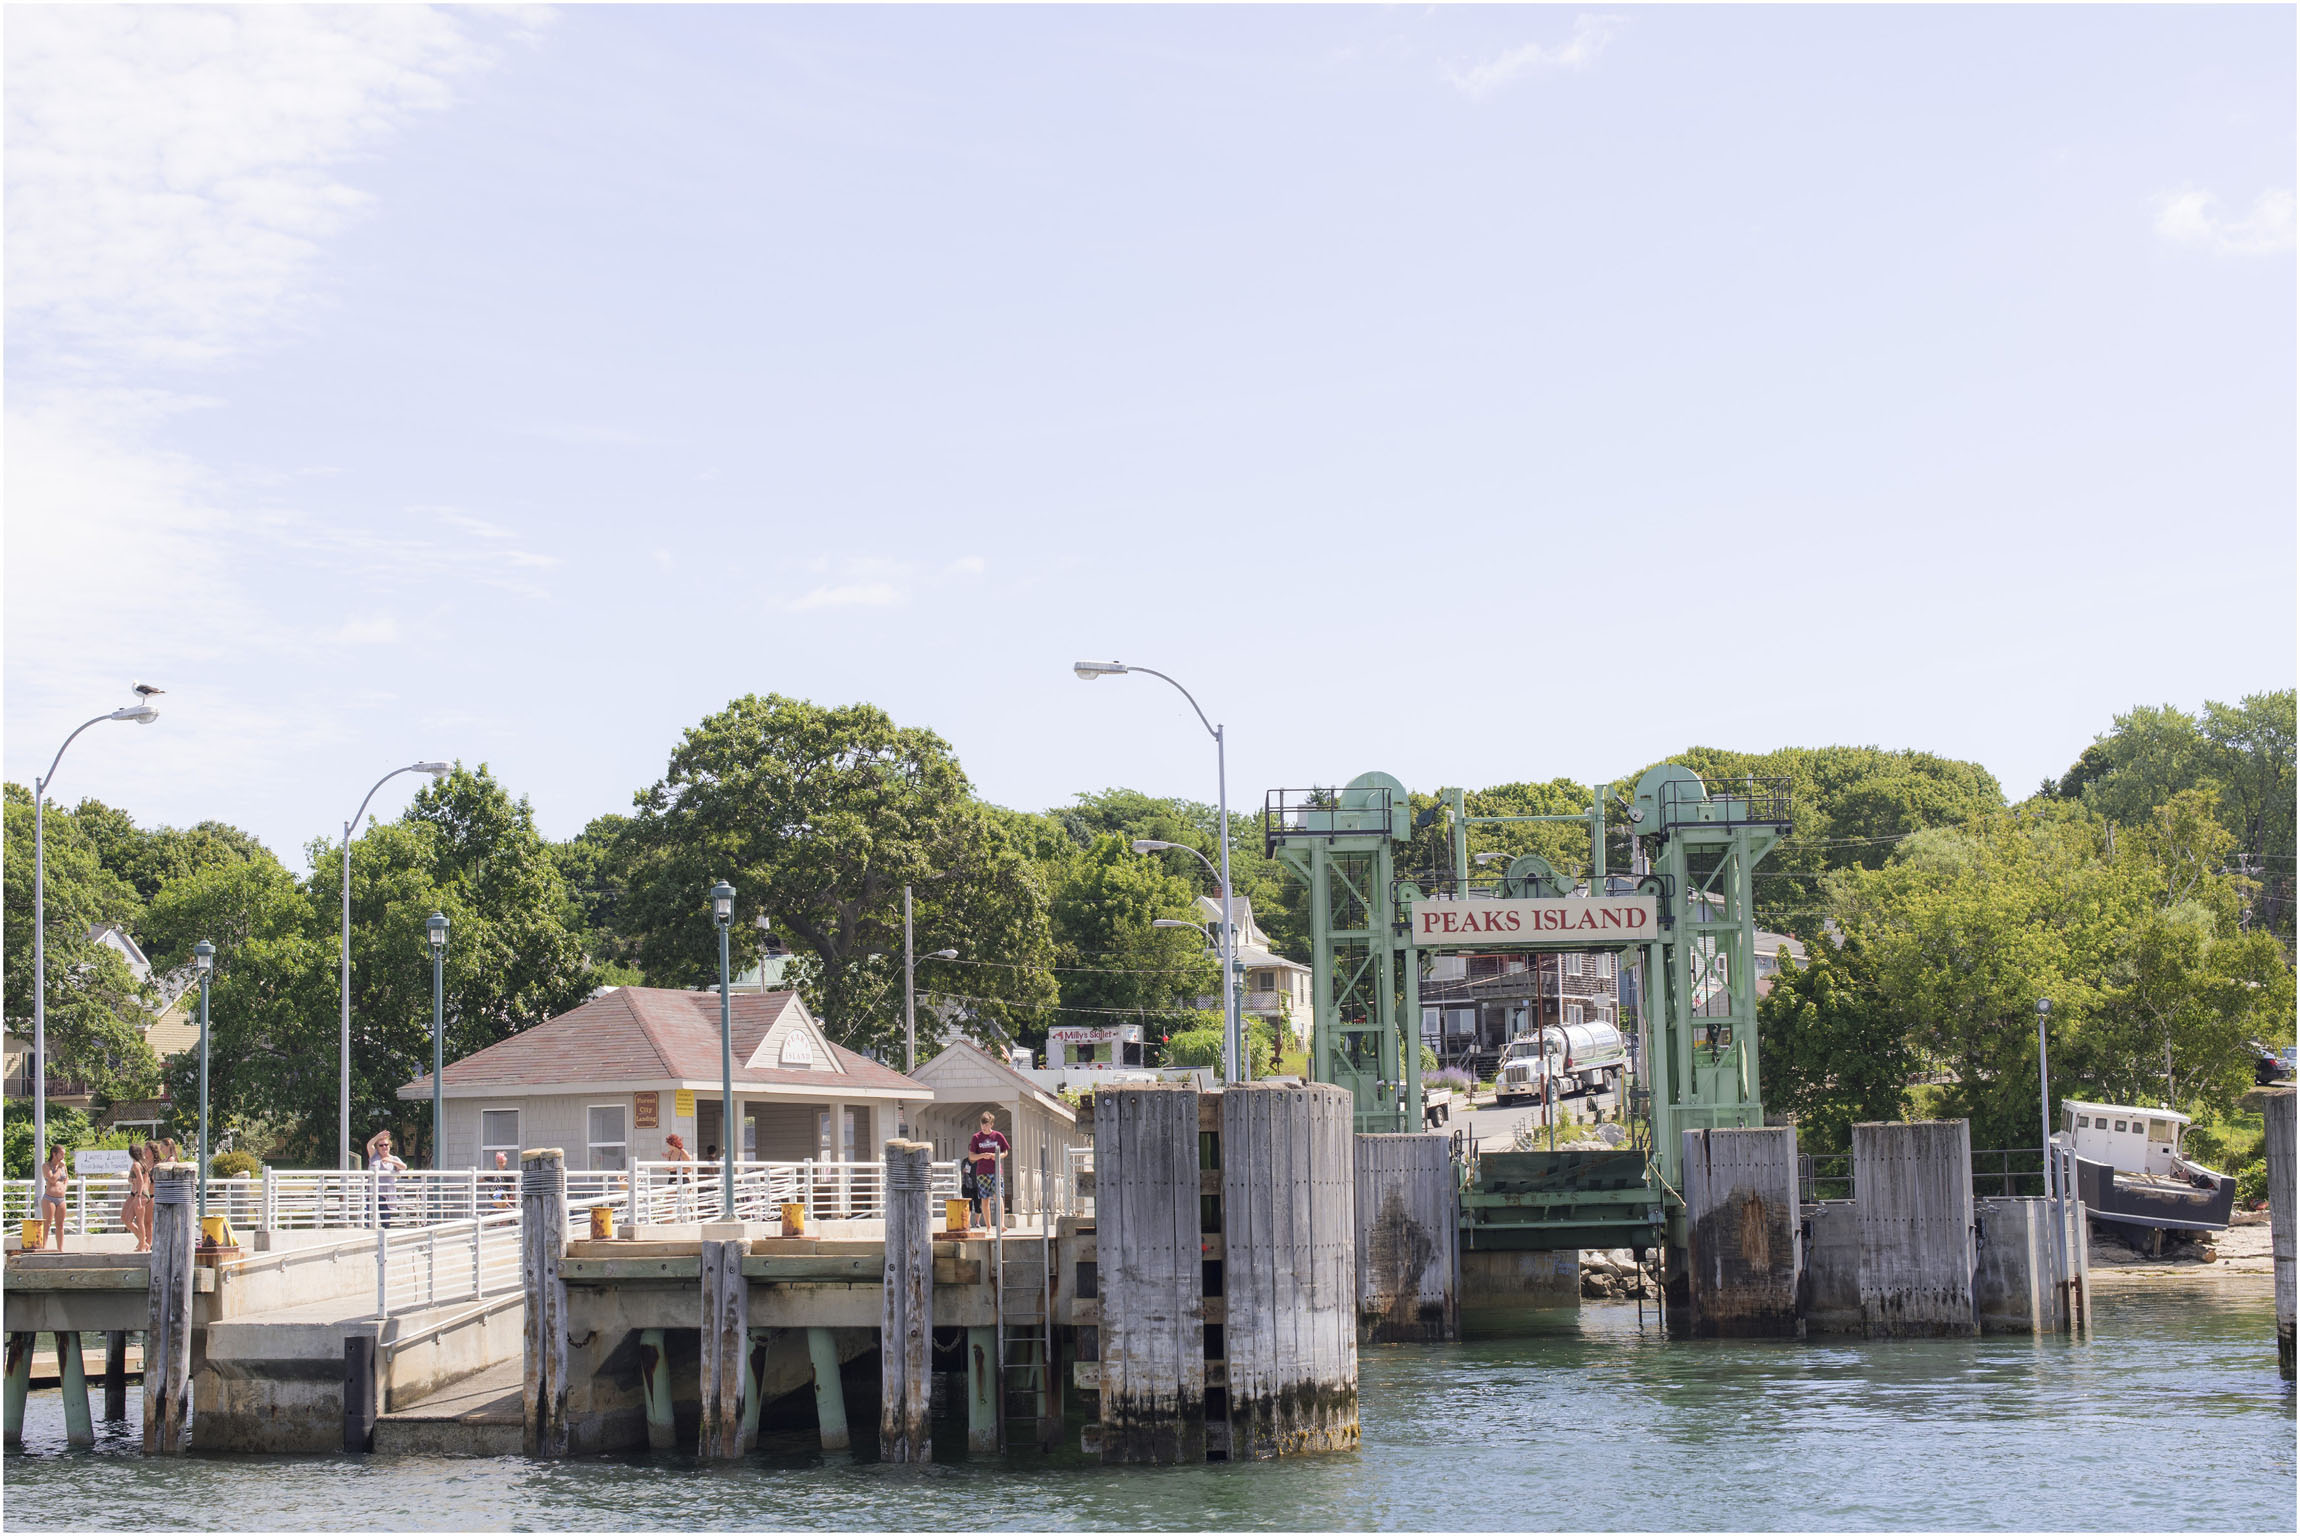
{"x":2173,"y":1417}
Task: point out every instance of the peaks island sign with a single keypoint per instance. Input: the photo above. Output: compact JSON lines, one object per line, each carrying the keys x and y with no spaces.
{"x":1569,"y":922}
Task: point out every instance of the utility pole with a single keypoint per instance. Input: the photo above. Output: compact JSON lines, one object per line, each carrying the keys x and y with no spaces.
{"x":909,"y":995}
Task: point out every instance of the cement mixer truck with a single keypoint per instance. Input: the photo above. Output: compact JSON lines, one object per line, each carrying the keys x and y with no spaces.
{"x":1561,"y":1059}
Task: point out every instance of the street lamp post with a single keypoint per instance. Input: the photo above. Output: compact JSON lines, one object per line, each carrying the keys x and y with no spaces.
{"x":1232,"y":1044}
{"x":435,"y":928}
{"x":343,"y":1059}
{"x":910,"y":990}
{"x":143,"y":713}
{"x":722,"y":911}
{"x":1237,"y":1060}
{"x":204,"y":956}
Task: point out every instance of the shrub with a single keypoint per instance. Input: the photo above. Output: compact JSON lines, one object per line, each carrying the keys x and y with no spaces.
{"x":228,"y":1165}
{"x":2252,"y":1185}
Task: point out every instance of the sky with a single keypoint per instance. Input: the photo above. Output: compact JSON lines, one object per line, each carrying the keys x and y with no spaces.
{"x":1475,"y":394}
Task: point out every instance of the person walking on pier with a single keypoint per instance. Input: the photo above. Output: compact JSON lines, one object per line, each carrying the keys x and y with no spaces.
{"x":385,"y":1167}
{"x":988,"y":1148}
{"x":52,"y":1178}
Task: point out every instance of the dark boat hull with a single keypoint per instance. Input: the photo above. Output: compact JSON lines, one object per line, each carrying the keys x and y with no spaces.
{"x":2135,"y":1203}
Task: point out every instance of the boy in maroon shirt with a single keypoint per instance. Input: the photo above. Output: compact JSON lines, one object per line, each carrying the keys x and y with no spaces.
{"x":987,"y":1149}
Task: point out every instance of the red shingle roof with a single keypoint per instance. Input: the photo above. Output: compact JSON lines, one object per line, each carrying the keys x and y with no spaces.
{"x":653,"y":1034}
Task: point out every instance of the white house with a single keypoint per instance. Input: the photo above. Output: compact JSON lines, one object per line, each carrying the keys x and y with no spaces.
{"x":1276,"y":988}
{"x":610,"y":1079}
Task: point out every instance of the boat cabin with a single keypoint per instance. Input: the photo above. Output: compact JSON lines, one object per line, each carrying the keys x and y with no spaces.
{"x":2124,"y":1137}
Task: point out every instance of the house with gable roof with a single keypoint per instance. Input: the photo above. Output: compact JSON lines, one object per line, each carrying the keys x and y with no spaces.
{"x":607,"y":1081}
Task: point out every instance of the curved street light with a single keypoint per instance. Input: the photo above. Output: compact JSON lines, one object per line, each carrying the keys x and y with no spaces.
{"x":343,"y":1050}
{"x":143,"y":712}
{"x":722,"y":913}
{"x":1233,"y":1043}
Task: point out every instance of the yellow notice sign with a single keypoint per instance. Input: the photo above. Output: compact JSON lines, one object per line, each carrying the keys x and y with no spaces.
{"x":683,"y":1106}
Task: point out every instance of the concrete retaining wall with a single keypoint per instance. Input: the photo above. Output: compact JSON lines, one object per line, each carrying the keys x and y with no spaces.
{"x":1741,"y":1209}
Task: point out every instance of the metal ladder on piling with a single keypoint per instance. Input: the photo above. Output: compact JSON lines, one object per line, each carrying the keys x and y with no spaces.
{"x":1026,"y":1328}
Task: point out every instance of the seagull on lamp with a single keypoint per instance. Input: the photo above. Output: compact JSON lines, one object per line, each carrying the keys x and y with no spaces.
{"x":147,"y":691}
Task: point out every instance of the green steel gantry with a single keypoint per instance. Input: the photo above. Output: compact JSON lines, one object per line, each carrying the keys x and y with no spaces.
{"x":1697,"y":846}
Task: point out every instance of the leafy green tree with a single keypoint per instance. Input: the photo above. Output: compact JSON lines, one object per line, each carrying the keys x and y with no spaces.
{"x":819,"y":817}
{"x":1281,"y":903}
{"x":148,"y":858}
{"x":1832,"y":1049}
{"x":2243,"y":754}
{"x":1112,"y":957}
{"x":97,"y":1012}
{"x":594,"y":864}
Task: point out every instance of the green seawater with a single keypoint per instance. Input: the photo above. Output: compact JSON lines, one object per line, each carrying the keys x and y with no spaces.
{"x":2172,"y":1417}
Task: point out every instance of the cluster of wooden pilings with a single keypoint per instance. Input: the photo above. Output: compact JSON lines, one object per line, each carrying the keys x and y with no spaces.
{"x":1913,"y":1255}
{"x":1222,"y":1283}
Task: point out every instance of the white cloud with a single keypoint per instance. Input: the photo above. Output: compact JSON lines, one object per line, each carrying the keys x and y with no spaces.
{"x":968,"y":565}
{"x":1578,"y":52}
{"x":861,"y":594}
{"x":171,"y":169}
{"x":2190,"y":218}
{"x":376,"y":631}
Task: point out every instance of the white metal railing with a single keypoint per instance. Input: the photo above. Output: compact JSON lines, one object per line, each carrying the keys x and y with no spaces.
{"x":666,"y":1193}
{"x":1068,"y":1201}
{"x":453,"y":1261}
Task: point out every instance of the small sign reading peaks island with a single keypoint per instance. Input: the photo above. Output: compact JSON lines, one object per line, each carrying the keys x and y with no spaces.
{"x":1569,"y":922}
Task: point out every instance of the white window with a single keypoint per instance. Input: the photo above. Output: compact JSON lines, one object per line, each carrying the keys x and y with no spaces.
{"x":605,"y":1136}
{"x":1611,"y":964}
{"x":498,"y":1132}
{"x":1573,"y":1013}
{"x":1573,"y":964}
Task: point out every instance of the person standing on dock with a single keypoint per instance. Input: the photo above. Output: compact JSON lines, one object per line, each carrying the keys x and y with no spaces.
{"x":988,"y":1148}
{"x":52,"y":1178}
{"x":384,"y":1166}
{"x":682,"y":1164}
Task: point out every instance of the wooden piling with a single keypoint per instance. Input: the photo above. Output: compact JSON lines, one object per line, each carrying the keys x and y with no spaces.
{"x":1913,"y":1192}
{"x":168,"y":1327}
{"x":1152,"y":1310}
{"x":19,"y":1388}
{"x":655,"y":1391}
{"x":725,"y":1345}
{"x":542,"y":1249}
{"x":906,"y":1317}
{"x":830,"y":1392}
{"x":1290,"y":1270}
{"x":1408,"y":1236}
{"x":2276,"y":1113}
{"x":1742,"y":1216}
{"x":116,"y":1376}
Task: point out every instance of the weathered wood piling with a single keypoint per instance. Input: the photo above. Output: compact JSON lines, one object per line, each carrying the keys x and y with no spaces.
{"x":725,"y":1345}
{"x":1914,"y":1188}
{"x":542,"y":1250}
{"x":2277,"y":1113}
{"x":168,"y":1332}
{"x":116,"y":1376}
{"x":19,"y":1387}
{"x":906,"y":1325}
{"x":1289,"y":1270}
{"x":830,"y":1392}
{"x":1743,"y":1219}
{"x":1149,"y":1232}
{"x":1409,"y":1239}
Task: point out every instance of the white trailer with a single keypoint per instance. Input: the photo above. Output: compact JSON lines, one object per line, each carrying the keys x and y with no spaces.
{"x":1561,"y":1059}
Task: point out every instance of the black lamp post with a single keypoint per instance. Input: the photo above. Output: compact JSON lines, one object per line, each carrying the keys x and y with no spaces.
{"x":435,"y":928}
{"x":204,"y":956}
{"x":722,"y":912}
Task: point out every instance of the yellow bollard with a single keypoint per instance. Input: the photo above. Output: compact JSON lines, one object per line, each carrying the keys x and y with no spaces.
{"x":794,"y":1219}
{"x":35,"y":1234}
{"x":216,"y":1231}
{"x":602,"y":1221}
{"x":956,"y":1214}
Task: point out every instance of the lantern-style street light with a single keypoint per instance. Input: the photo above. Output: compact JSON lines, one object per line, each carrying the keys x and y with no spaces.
{"x":435,"y":928}
{"x":204,"y":956}
{"x":722,"y":913}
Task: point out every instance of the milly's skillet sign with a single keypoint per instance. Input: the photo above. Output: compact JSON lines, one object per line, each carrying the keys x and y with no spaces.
{"x":1566,"y":921}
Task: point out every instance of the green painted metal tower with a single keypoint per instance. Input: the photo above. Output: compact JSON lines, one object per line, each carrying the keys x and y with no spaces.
{"x":1682,"y":919}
